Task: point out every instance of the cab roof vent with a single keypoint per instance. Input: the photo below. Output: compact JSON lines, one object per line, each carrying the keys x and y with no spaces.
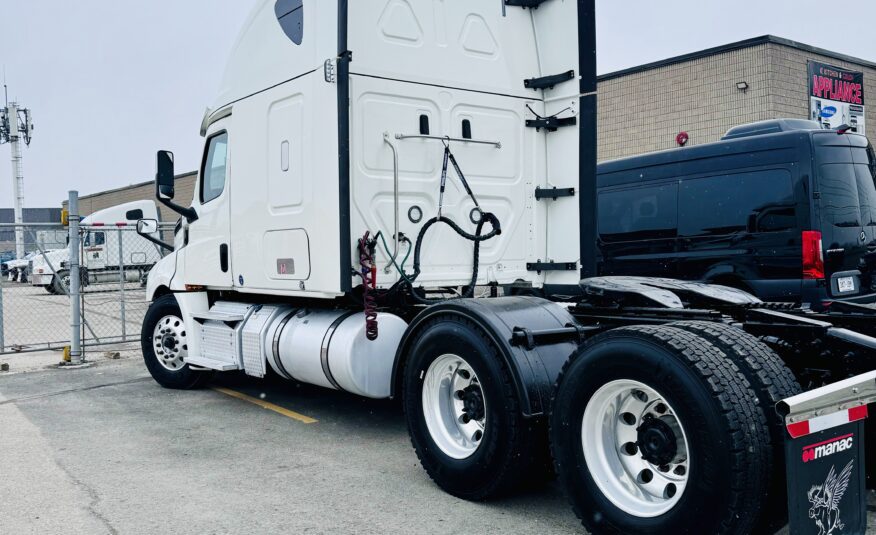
{"x":770,"y":127}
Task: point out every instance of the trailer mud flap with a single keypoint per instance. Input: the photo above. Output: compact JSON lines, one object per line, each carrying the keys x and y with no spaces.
{"x":826,"y":481}
{"x":825,"y":457}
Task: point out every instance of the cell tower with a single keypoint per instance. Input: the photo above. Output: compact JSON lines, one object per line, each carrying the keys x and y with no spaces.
{"x":16,"y":126}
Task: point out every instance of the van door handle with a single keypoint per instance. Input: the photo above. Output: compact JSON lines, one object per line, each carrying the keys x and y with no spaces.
{"x":223,"y":257}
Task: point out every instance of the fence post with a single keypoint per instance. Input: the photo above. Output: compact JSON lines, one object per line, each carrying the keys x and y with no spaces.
{"x":2,"y":341}
{"x":122,"y":280}
{"x":75,"y":311}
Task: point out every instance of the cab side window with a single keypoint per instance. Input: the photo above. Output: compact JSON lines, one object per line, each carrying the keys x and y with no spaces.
{"x":94,"y":239}
{"x":213,"y":173}
{"x":290,"y":13}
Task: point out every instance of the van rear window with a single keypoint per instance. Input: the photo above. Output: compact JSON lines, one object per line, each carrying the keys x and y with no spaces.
{"x":642,"y":213}
{"x":760,"y":201}
{"x":848,"y":194}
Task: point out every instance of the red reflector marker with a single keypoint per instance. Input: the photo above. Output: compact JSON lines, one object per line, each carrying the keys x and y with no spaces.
{"x":827,"y":421}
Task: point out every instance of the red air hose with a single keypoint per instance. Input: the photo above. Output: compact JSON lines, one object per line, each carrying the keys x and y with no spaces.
{"x":368,"y":270}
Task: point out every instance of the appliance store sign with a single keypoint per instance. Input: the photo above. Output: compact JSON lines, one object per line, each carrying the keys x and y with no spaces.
{"x":836,"y":96}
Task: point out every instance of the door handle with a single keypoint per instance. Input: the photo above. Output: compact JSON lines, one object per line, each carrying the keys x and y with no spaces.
{"x":223,"y":257}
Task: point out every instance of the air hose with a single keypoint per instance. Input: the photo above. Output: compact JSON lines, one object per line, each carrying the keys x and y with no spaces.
{"x":478,"y":237}
{"x":368,"y":272}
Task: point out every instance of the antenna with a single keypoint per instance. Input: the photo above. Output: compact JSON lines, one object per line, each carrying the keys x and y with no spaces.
{"x":16,"y":126}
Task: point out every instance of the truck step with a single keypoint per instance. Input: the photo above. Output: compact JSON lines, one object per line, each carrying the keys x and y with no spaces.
{"x":228,"y":319}
{"x":212,"y":364}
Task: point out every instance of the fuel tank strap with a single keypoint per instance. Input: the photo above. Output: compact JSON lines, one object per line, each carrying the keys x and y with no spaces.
{"x":324,"y":350}
{"x":276,"y":345}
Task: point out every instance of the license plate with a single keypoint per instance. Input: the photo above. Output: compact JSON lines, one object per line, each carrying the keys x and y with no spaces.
{"x":846,"y":284}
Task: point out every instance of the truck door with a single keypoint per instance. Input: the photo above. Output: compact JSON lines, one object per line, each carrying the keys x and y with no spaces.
{"x":208,"y":258}
{"x":95,"y":250}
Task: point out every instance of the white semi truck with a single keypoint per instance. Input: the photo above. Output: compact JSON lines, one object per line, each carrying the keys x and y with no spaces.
{"x":377,"y":174}
{"x":109,"y":247}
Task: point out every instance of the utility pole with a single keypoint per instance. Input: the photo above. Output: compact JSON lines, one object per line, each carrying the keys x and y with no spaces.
{"x":16,"y":126}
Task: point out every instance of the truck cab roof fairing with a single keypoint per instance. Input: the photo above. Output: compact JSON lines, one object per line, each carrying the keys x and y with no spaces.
{"x":265,"y":56}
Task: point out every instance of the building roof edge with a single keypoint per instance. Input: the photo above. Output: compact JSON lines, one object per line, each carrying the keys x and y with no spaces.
{"x":738,"y":45}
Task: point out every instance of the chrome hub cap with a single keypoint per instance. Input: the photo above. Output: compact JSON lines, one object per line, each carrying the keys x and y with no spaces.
{"x":454,"y":406}
{"x":635,"y":447}
{"x":169,"y":342}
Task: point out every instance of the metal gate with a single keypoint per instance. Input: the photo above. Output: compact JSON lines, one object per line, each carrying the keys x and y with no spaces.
{"x":31,"y":318}
{"x":35,"y":308}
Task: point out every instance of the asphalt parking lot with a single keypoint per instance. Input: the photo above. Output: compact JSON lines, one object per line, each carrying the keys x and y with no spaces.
{"x":106,"y":450}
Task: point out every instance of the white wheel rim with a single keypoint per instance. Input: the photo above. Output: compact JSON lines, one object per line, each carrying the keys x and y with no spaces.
{"x":615,"y":417}
{"x":169,"y":342}
{"x":454,"y":406}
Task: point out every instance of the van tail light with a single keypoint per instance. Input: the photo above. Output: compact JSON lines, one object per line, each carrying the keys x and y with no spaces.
{"x":813,"y":257}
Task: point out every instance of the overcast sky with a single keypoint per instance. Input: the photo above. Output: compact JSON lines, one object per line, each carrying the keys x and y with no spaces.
{"x":112,"y":81}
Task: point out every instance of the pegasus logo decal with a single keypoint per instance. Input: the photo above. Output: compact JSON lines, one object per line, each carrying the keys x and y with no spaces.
{"x":825,"y":500}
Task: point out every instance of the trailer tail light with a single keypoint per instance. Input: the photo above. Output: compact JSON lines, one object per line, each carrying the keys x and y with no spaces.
{"x":813,"y":257}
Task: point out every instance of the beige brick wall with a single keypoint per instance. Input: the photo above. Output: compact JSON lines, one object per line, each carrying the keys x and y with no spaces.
{"x":185,"y":187}
{"x":644,"y":111}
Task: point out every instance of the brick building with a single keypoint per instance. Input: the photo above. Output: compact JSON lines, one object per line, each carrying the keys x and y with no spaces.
{"x":28,"y":215}
{"x":644,"y":108}
{"x":184,"y":189}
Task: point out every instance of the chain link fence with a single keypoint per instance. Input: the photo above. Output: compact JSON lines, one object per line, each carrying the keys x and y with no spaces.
{"x":30,"y":318}
{"x":35,"y":308}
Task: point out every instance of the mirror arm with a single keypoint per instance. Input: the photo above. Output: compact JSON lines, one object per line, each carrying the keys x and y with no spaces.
{"x":158,"y":242}
{"x":189,"y":213}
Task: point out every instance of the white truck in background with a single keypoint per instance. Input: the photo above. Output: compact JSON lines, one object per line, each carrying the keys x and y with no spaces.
{"x":110,"y":246}
{"x":17,"y":270}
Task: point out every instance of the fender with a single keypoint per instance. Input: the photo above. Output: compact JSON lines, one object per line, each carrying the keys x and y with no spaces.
{"x":534,"y":371}
{"x":162,"y":274}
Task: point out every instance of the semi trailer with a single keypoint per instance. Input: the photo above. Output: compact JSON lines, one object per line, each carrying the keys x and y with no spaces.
{"x":376,"y":174}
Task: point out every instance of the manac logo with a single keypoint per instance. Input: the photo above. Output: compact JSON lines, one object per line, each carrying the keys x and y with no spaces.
{"x":820,"y":450}
{"x":828,"y":111}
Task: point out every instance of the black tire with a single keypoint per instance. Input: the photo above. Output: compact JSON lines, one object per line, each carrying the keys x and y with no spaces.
{"x":772,"y":382}
{"x":726,"y":433}
{"x":512,"y":450}
{"x":183,"y":378}
{"x":57,"y":284}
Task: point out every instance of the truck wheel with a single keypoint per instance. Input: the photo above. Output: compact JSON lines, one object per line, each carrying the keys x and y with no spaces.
{"x":463,"y":414}
{"x":772,"y":382}
{"x":163,"y":340}
{"x":655,"y":430}
{"x":61,"y":283}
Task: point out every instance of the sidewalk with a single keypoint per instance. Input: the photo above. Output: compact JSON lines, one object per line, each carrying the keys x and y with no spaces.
{"x":41,"y":360}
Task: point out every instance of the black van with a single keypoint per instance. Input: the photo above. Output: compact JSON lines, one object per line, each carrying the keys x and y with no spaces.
{"x":782,"y":209}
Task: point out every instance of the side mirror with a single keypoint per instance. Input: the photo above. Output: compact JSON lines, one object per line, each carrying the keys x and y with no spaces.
{"x":164,"y":175}
{"x":147,"y":226}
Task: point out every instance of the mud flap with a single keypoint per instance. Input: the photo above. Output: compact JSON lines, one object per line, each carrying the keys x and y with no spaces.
{"x":825,"y":457}
{"x":826,"y":481}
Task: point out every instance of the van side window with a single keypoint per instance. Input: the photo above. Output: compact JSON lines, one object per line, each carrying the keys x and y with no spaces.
{"x":213,"y":171}
{"x":640,"y":213}
{"x":290,"y":13}
{"x":761,"y":201}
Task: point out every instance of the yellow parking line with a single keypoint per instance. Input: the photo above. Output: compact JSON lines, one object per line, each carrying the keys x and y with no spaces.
{"x":266,"y":405}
